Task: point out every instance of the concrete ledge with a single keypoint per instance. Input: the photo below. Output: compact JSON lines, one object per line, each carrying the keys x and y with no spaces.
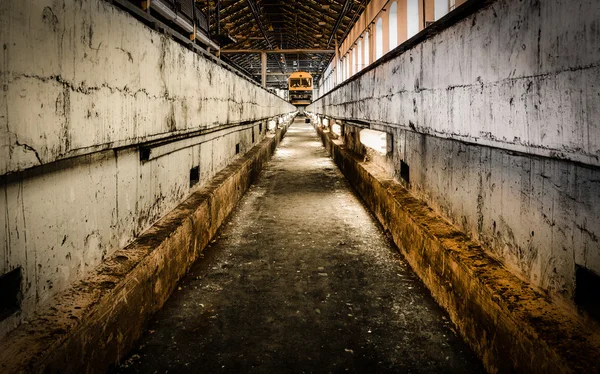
{"x":511,"y":326}
{"x":91,"y":325}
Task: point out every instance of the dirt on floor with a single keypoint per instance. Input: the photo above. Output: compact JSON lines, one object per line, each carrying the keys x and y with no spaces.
{"x":301,"y":279}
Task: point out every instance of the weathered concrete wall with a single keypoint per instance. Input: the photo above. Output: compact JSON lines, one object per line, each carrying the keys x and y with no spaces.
{"x":84,"y":85}
{"x":504,"y":199}
{"x":92,"y":324}
{"x":497,"y":117}
{"x":512,"y":327}
{"x":96,"y":78}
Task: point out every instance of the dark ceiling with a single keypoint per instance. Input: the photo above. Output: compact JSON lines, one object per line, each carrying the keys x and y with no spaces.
{"x":282,"y":24}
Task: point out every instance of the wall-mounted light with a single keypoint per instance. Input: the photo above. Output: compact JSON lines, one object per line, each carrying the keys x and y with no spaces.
{"x":376,"y":140}
{"x":336,"y":129}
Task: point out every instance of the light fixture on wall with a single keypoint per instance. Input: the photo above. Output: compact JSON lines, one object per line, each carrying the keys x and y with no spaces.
{"x":336,"y":129}
{"x":376,"y":140}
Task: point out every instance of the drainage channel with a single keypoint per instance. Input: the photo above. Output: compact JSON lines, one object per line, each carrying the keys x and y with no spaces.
{"x":301,"y":278}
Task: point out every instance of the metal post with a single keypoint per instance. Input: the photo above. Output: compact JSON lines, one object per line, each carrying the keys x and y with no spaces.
{"x":263,"y":68}
{"x":193,"y":36}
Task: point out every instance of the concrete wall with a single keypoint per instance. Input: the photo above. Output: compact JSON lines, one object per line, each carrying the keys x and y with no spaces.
{"x":95,"y":322}
{"x":509,"y":325}
{"x":497,"y":116}
{"x":365,"y":24}
{"x":84,"y":84}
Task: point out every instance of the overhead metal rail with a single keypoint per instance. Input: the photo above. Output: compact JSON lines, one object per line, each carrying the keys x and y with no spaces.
{"x":256,"y":13}
{"x":345,"y":9}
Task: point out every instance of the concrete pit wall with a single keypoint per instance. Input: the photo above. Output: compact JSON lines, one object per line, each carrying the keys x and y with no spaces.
{"x":97,"y":320}
{"x":102,"y":120}
{"x":511,"y":326}
{"x":495,"y":111}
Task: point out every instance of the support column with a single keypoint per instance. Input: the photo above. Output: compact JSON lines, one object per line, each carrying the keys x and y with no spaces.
{"x":338,"y":64}
{"x":263,"y":69}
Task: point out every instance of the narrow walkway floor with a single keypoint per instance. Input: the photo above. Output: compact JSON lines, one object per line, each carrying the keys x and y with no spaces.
{"x":301,"y":279}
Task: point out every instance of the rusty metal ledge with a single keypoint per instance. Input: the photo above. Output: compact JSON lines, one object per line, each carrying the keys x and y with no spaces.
{"x":511,"y":326}
{"x":96,"y":321}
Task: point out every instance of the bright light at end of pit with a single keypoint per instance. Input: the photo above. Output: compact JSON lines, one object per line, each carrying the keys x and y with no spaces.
{"x":271,"y":125}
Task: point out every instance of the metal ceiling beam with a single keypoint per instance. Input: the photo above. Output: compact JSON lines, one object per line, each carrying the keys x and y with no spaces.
{"x":295,"y":29}
{"x":284,"y":51}
{"x":254,"y":10}
{"x":345,"y":9}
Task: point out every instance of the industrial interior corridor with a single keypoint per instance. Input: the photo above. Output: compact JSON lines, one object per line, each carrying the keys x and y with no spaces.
{"x":301,"y":278}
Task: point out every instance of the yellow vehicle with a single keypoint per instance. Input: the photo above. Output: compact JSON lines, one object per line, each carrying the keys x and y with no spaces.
{"x":300,"y":87}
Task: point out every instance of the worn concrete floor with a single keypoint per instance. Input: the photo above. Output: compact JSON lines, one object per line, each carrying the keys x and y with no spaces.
{"x":301,"y":279}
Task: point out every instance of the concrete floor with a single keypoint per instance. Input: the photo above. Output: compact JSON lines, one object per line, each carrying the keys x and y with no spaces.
{"x":301,"y":279}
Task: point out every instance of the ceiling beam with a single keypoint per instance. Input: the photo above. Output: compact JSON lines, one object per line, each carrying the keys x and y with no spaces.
{"x":253,"y":8}
{"x":284,"y":51}
{"x":255,"y":11}
{"x":345,"y":9}
{"x":274,"y":74}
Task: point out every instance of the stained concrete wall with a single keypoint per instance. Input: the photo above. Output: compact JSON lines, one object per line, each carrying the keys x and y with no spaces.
{"x":95,"y":322}
{"x":497,"y":117}
{"x":84,"y":85}
{"x":509,"y":325}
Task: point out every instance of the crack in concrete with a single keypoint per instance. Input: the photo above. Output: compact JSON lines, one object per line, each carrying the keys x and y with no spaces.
{"x":31,"y":149}
{"x":129,"y":56}
{"x":82,"y":88}
{"x":477,"y":84}
{"x":554,"y":152}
